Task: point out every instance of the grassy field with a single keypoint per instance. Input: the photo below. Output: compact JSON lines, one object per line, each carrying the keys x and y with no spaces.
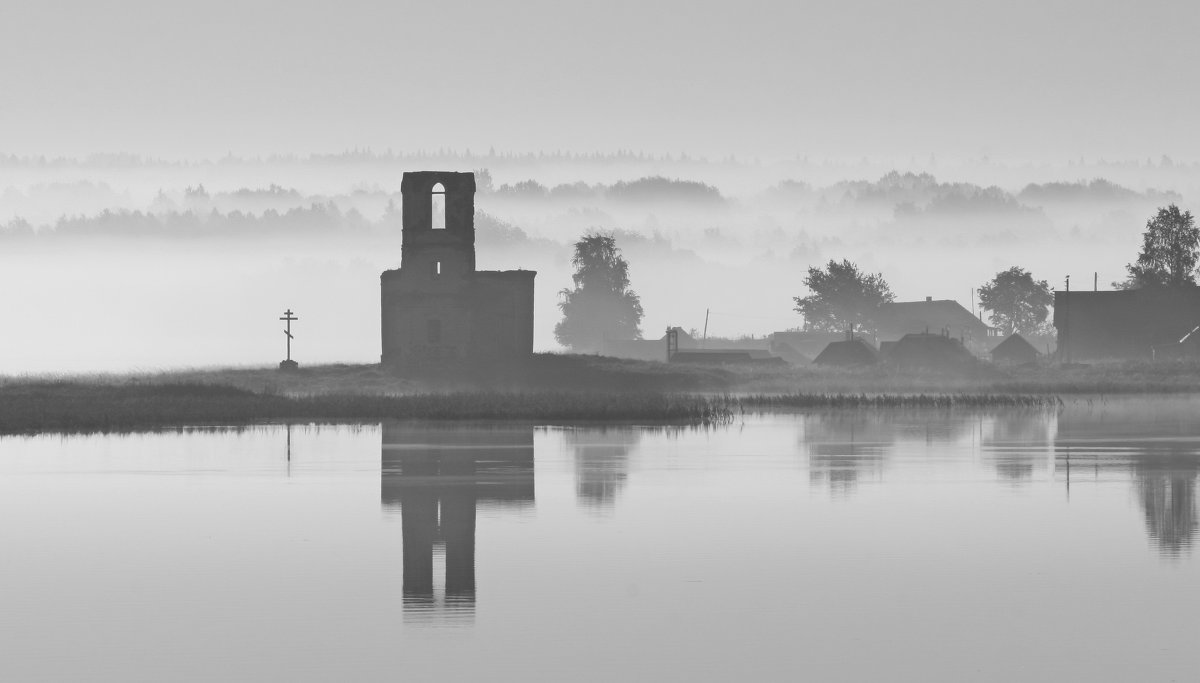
{"x":551,"y":389}
{"x":574,"y":373}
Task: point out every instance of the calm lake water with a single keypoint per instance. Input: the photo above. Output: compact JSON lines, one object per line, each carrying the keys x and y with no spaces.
{"x":1006,"y":546}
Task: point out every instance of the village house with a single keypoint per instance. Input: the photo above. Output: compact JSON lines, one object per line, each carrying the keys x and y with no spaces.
{"x":1014,"y":350}
{"x":850,"y":352}
{"x":679,"y":346}
{"x":1147,"y":323}
{"x":944,"y":316}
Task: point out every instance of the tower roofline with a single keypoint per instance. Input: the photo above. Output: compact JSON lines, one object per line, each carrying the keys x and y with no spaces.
{"x":423,"y":181}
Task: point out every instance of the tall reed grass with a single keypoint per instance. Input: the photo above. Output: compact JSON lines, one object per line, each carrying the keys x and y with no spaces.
{"x":97,"y":407}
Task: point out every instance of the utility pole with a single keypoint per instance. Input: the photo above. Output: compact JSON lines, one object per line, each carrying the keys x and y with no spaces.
{"x":1096,"y":281}
{"x":705,"y":339}
{"x":1065,"y":335}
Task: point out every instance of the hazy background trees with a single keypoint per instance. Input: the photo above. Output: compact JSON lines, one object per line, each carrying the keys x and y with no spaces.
{"x":1016,"y":302}
{"x":842,"y":296}
{"x":601,"y":305}
{"x":1169,"y":251}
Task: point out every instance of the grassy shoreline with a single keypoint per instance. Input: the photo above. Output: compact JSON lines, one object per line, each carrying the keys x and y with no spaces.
{"x":554,"y":389}
{"x":88,"y":407}
{"x":66,"y":406}
{"x":577,"y":373}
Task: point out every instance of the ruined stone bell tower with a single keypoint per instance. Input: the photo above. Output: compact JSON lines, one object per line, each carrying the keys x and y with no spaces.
{"x":437,"y":309}
{"x":439,"y":220}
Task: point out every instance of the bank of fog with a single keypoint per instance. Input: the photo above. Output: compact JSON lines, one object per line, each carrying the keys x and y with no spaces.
{"x":201,"y":277}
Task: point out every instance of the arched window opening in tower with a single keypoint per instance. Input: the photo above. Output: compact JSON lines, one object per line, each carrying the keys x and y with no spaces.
{"x":439,"y":207}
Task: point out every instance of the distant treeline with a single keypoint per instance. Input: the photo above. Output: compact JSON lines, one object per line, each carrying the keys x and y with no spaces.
{"x":467,"y":156}
{"x":920,"y":194}
{"x":276,"y":210}
{"x":643,"y":190}
{"x":316,"y":220}
{"x":358,"y":156}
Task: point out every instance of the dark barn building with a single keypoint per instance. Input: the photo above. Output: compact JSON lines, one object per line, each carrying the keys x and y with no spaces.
{"x":943,"y":316}
{"x":436,"y":308}
{"x":1015,"y":350}
{"x":1126,"y":324}
{"x":848,"y":353}
{"x":936,"y":352}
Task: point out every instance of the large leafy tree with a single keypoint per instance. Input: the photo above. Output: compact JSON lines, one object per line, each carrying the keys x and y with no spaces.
{"x":1016,"y":302}
{"x":1169,"y":251}
{"x":842,"y":296}
{"x":601,"y":306}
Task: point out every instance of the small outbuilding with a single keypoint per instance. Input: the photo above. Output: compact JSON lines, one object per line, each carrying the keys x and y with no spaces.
{"x":726,"y":356}
{"x":848,"y":353}
{"x":1015,"y":350}
{"x":936,"y":352}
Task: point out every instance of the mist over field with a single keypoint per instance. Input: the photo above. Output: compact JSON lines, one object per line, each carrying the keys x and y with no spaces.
{"x":117,"y":263}
{"x":173,"y":175}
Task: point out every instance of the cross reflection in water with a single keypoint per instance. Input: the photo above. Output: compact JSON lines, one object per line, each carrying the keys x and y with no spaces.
{"x":438,"y":477}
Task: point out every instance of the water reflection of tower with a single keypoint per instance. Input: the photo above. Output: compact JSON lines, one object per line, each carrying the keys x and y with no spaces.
{"x":438,"y":477}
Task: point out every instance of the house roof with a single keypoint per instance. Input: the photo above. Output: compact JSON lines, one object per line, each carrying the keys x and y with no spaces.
{"x":1015,"y":346}
{"x":848,"y":352}
{"x":934,"y":316}
{"x":937,"y":351}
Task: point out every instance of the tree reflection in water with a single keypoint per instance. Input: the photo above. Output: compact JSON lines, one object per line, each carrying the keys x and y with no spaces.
{"x":1156,"y":441}
{"x":601,"y":463}
{"x":1017,"y":443}
{"x":844,"y":447}
{"x":438,"y":477}
{"x":1166,"y":488}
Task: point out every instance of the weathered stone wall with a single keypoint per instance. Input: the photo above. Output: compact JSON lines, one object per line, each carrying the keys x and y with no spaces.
{"x":436,"y":308}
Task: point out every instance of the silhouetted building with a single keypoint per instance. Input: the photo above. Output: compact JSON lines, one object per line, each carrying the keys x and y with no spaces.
{"x":937,"y":352}
{"x":802,"y":346}
{"x":437,"y":309}
{"x":438,"y":477}
{"x":946,"y":316}
{"x":688,"y":349}
{"x":848,"y":353}
{"x":1127,"y":324}
{"x":726,"y":356}
{"x":1014,"y":350}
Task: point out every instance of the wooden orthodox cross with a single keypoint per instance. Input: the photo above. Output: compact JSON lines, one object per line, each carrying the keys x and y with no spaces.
{"x":287,"y":315}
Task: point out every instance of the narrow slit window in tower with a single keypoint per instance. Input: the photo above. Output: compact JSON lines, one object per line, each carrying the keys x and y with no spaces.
{"x":439,"y":207}
{"x":437,"y":269}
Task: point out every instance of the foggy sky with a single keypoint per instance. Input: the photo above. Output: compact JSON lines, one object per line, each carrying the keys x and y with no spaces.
{"x":1013,"y":80}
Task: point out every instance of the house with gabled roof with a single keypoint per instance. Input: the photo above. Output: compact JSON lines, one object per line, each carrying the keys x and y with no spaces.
{"x":943,"y":316}
{"x":1015,"y":350}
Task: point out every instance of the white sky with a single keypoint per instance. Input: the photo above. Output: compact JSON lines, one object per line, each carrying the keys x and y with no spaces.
{"x":1016,"y":79}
